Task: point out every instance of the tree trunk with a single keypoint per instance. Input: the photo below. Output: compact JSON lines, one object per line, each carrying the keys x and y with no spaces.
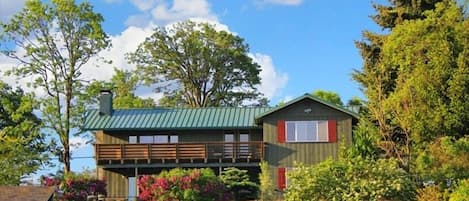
{"x":66,"y":157}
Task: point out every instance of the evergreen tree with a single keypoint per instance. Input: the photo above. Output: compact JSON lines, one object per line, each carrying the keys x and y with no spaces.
{"x":378,"y":81}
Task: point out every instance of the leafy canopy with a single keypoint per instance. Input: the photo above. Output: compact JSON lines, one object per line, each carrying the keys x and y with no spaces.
{"x":123,"y":84}
{"x":196,"y":65}
{"x":52,"y":41}
{"x":328,"y":96}
{"x":22,"y":145}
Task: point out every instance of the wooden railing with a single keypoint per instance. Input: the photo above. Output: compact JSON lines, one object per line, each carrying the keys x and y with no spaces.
{"x":251,"y":151}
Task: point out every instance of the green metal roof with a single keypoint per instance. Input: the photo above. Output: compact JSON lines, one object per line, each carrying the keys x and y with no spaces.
{"x":174,"y":118}
{"x":306,"y":96}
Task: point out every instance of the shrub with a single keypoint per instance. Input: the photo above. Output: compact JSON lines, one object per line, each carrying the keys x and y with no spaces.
{"x":431,"y":193}
{"x":350,"y":179}
{"x":461,"y":192}
{"x":76,"y":189}
{"x":181,"y":184}
{"x":266,"y":187}
{"x":237,"y":181}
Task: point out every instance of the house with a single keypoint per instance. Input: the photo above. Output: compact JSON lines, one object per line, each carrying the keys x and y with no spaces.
{"x":132,"y":142}
{"x":26,"y":193}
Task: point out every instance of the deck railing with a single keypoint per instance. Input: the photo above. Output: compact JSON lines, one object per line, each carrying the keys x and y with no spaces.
{"x":253,"y":150}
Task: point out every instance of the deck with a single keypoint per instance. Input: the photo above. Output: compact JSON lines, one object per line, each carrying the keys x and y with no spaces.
{"x":180,"y":153}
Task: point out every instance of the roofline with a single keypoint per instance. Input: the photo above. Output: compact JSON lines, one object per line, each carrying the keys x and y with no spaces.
{"x":172,"y":129}
{"x":311,"y":97}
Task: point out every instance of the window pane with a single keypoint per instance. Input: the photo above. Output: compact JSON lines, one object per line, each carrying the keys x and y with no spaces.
{"x":244,"y":137}
{"x":146,"y":139}
{"x":290,"y":131}
{"x":301,"y":131}
{"x":161,"y":139}
{"x":173,"y":139}
{"x":311,"y":131}
{"x":132,"y":139}
{"x":229,"y":137}
{"x":323,"y":135}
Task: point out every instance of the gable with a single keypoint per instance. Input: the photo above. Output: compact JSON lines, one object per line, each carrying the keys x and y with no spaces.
{"x":307,"y":106}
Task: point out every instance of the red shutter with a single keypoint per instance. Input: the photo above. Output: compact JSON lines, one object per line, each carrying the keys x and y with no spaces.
{"x":281,"y":178}
{"x":281,"y":131}
{"x":332,"y":127}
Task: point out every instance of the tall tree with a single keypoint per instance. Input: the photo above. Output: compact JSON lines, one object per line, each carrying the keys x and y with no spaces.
{"x":378,"y":81}
{"x":197,"y":66}
{"x":22,"y":145}
{"x":431,"y":61}
{"x":328,"y":96}
{"x":52,"y":42}
{"x":123,"y":84}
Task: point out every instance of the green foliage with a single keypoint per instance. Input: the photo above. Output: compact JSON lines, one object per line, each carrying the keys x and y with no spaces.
{"x":444,"y":160}
{"x":365,"y":139}
{"x":378,"y":80}
{"x":431,"y":193}
{"x":54,"y":40}
{"x":430,"y":59}
{"x":350,"y":179}
{"x":123,"y":84}
{"x":461,"y":192}
{"x":237,"y":181}
{"x":328,"y":96}
{"x":197,"y":66}
{"x":22,"y":145}
{"x":266,"y":187}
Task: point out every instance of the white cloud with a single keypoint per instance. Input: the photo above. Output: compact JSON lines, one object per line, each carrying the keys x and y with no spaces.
{"x":8,"y":8}
{"x":125,"y":42}
{"x":272,"y":81}
{"x":182,"y":9}
{"x":163,"y":12}
{"x":144,"y":5}
{"x":280,"y":2}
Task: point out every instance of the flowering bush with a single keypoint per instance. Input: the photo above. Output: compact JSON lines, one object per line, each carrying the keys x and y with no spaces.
{"x":179,"y":184}
{"x":76,"y":189}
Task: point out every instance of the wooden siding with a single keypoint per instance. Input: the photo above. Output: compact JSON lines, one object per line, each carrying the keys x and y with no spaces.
{"x":116,"y":185}
{"x":309,"y":153}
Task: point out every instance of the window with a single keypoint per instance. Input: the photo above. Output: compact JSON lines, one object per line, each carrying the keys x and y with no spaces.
{"x":159,"y":139}
{"x":306,"y":131}
{"x":173,"y":139}
{"x":146,"y":139}
{"x":132,"y":139}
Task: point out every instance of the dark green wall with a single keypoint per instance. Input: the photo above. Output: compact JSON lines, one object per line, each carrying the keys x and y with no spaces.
{"x":119,"y":137}
{"x":286,"y":154}
{"x":116,"y":183}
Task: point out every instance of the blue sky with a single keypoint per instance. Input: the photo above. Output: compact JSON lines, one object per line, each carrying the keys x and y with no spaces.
{"x":301,"y":45}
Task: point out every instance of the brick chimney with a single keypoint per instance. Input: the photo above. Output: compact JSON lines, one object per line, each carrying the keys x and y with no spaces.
{"x":105,"y":102}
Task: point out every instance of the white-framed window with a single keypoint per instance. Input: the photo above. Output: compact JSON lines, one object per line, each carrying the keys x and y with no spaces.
{"x":306,"y":131}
